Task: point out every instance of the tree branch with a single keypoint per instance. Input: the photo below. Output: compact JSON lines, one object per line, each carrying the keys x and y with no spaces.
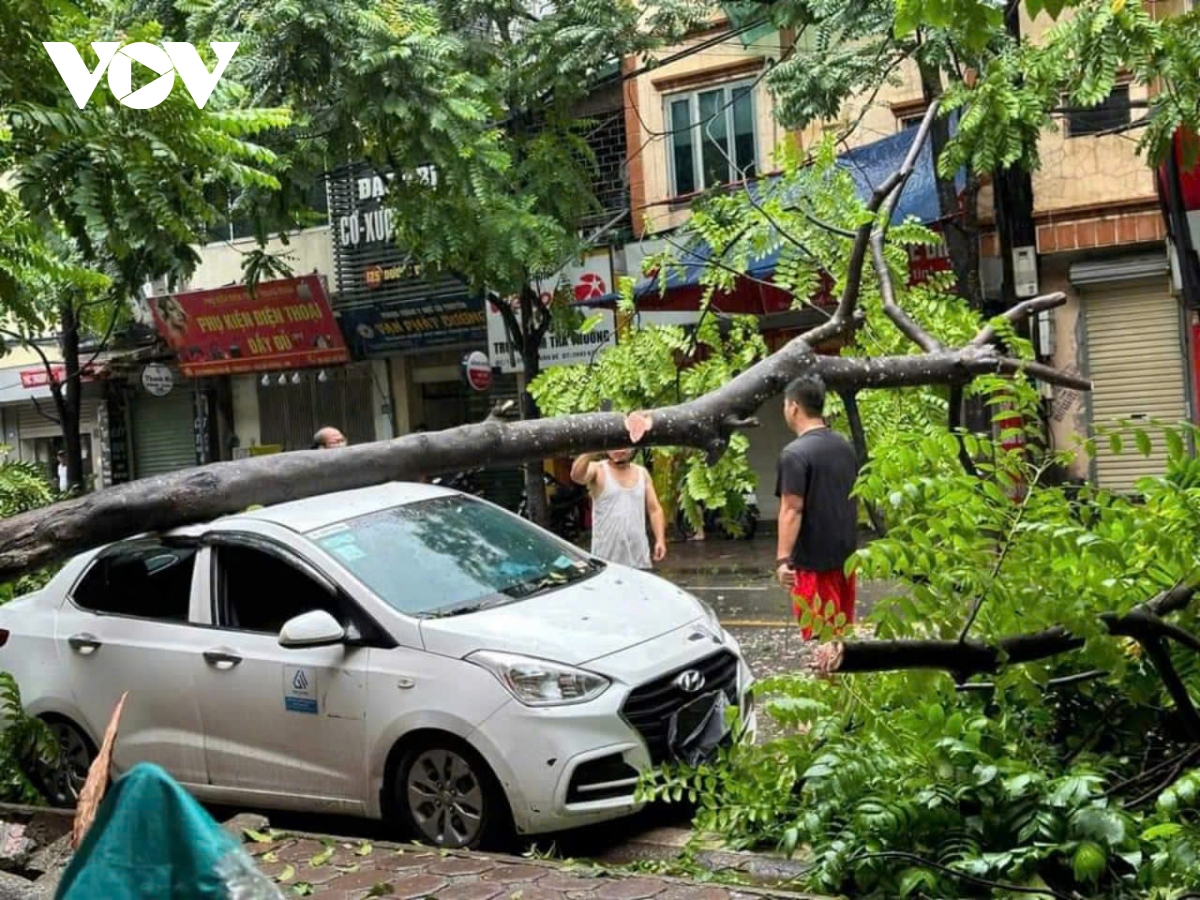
{"x":907,"y":325}
{"x":1022,"y":310}
{"x":971,"y":657}
{"x":884,"y":197}
{"x":859,"y":435}
{"x":954,"y":422}
{"x":1156,"y":651}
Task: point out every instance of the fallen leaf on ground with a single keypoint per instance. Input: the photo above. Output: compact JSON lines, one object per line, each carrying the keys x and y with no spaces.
{"x":322,"y":858}
{"x":364,"y":849}
{"x":288,"y":873}
{"x":257,"y":836}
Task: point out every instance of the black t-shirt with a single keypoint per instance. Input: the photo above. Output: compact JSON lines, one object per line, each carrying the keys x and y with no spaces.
{"x":821,"y":466}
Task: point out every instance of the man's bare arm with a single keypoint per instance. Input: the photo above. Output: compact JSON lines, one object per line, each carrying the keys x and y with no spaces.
{"x":582,"y":470}
{"x":791,"y":509}
{"x":658,"y":519}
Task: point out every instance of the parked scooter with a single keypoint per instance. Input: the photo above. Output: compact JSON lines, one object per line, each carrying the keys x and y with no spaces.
{"x":467,"y":482}
{"x":569,"y":507}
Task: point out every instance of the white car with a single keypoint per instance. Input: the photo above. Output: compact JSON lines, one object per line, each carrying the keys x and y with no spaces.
{"x":402,"y":652}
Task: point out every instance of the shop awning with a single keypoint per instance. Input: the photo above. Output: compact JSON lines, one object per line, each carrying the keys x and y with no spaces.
{"x":869,"y":166}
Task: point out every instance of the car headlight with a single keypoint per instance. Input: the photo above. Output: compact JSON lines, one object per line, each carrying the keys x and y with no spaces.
{"x":537,"y":682}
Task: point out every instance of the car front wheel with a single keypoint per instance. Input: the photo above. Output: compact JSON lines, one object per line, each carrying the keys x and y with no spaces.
{"x":446,"y":795}
{"x":62,"y":779}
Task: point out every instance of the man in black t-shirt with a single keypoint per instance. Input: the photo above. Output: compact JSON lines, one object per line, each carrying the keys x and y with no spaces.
{"x":818,"y":519}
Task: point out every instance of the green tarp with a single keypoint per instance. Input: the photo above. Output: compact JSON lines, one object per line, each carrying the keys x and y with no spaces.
{"x":152,"y":841}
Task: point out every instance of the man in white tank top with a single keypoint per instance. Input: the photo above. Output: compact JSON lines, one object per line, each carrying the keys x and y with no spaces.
{"x":622,"y":497}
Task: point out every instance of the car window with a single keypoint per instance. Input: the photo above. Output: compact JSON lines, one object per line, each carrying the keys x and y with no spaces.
{"x":147,"y":580}
{"x":260,"y":592}
{"x":451,"y":554}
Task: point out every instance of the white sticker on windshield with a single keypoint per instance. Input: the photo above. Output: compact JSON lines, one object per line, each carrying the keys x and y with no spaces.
{"x":349,"y":553}
{"x":337,"y":540}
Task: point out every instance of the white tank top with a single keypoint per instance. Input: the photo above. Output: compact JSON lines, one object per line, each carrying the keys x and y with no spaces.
{"x":619,"y":522}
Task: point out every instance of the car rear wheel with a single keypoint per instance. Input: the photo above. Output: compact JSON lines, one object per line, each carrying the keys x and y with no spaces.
{"x":446,"y":795}
{"x":63,"y":779}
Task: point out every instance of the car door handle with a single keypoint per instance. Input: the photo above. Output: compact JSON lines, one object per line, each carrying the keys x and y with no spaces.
{"x":84,"y":644}
{"x":219,"y":659}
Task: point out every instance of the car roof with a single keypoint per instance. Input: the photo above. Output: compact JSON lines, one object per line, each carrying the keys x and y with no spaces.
{"x":316,"y":512}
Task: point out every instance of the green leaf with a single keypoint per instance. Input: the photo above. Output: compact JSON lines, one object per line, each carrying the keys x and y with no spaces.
{"x":302,"y":889}
{"x":1161,"y":831}
{"x":288,"y":873}
{"x":323,"y":857}
{"x":364,"y":849}
{"x":1143,"y":442}
{"x":257,"y":837}
{"x":1089,"y":862}
{"x":1116,"y":443}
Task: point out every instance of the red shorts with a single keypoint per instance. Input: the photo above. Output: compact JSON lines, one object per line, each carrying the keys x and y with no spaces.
{"x":819,"y":591}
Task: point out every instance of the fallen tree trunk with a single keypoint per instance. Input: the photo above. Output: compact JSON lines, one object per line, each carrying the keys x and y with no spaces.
{"x":161,"y":503}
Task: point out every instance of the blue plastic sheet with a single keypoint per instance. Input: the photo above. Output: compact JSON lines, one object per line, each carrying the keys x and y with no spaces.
{"x":152,"y":841}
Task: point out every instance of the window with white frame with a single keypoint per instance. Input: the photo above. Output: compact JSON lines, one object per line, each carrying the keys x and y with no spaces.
{"x":711,"y":137}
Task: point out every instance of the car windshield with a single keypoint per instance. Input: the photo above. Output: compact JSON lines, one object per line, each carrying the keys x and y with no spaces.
{"x":451,"y":555}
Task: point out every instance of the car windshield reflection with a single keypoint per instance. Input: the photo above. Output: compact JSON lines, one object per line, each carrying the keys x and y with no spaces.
{"x":451,"y":556}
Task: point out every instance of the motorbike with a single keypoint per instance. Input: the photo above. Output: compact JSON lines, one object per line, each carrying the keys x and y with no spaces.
{"x":568,"y":507}
{"x":467,"y":481}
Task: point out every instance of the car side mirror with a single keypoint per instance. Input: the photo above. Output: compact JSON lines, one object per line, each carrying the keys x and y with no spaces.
{"x":312,"y":629}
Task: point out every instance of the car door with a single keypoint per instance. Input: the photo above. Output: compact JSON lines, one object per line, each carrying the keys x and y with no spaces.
{"x":283,"y":726}
{"x":125,"y":626}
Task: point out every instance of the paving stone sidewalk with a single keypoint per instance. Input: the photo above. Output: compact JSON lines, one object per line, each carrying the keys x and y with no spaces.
{"x":346,"y":870}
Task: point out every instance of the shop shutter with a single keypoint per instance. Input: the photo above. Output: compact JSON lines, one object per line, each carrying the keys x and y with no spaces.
{"x":1136,"y":362}
{"x":163,"y":432}
{"x":290,"y":414}
{"x":32,"y":424}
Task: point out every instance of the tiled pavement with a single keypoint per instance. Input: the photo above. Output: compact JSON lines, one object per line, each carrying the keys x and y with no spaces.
{"x":340,"y":870}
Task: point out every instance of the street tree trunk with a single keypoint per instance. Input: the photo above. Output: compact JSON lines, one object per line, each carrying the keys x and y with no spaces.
{"x":533,"y":330}
{"x":66,"y":394}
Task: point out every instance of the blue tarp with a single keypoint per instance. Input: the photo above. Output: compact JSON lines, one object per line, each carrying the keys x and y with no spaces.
{"x":869,"y":165}
{"x":152,"y":841}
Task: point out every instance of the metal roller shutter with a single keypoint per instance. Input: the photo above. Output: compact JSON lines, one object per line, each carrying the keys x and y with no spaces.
{"x":32,"y":424}
{"x":163,"y":436}
{"x":1136,"y":363}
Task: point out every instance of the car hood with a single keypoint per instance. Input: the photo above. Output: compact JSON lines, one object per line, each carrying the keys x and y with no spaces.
{"x":615,"y":609}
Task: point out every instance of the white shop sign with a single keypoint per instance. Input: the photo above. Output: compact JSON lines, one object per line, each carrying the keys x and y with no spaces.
{"x":589,"y":279}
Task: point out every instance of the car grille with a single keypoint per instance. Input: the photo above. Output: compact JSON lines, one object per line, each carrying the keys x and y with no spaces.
{"x":648,"y":708}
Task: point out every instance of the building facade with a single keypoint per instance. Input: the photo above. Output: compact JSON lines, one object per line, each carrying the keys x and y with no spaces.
{"x":1100,"y":233}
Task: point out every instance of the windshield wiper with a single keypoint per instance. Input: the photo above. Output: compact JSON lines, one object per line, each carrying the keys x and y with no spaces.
{"x":474,"y":606}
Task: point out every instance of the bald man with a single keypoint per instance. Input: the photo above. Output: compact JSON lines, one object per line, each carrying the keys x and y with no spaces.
{"x":328,"y":438}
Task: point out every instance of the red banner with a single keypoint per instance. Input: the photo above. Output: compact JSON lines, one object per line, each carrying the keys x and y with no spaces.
{"x":286,"y":324}
{"x":39,"y":377}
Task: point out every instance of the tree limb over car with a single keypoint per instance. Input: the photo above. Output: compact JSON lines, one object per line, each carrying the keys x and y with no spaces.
{"x":169,"y":501}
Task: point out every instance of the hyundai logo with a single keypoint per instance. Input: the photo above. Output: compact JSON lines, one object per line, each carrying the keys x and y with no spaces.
{"x":690,"y":681}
